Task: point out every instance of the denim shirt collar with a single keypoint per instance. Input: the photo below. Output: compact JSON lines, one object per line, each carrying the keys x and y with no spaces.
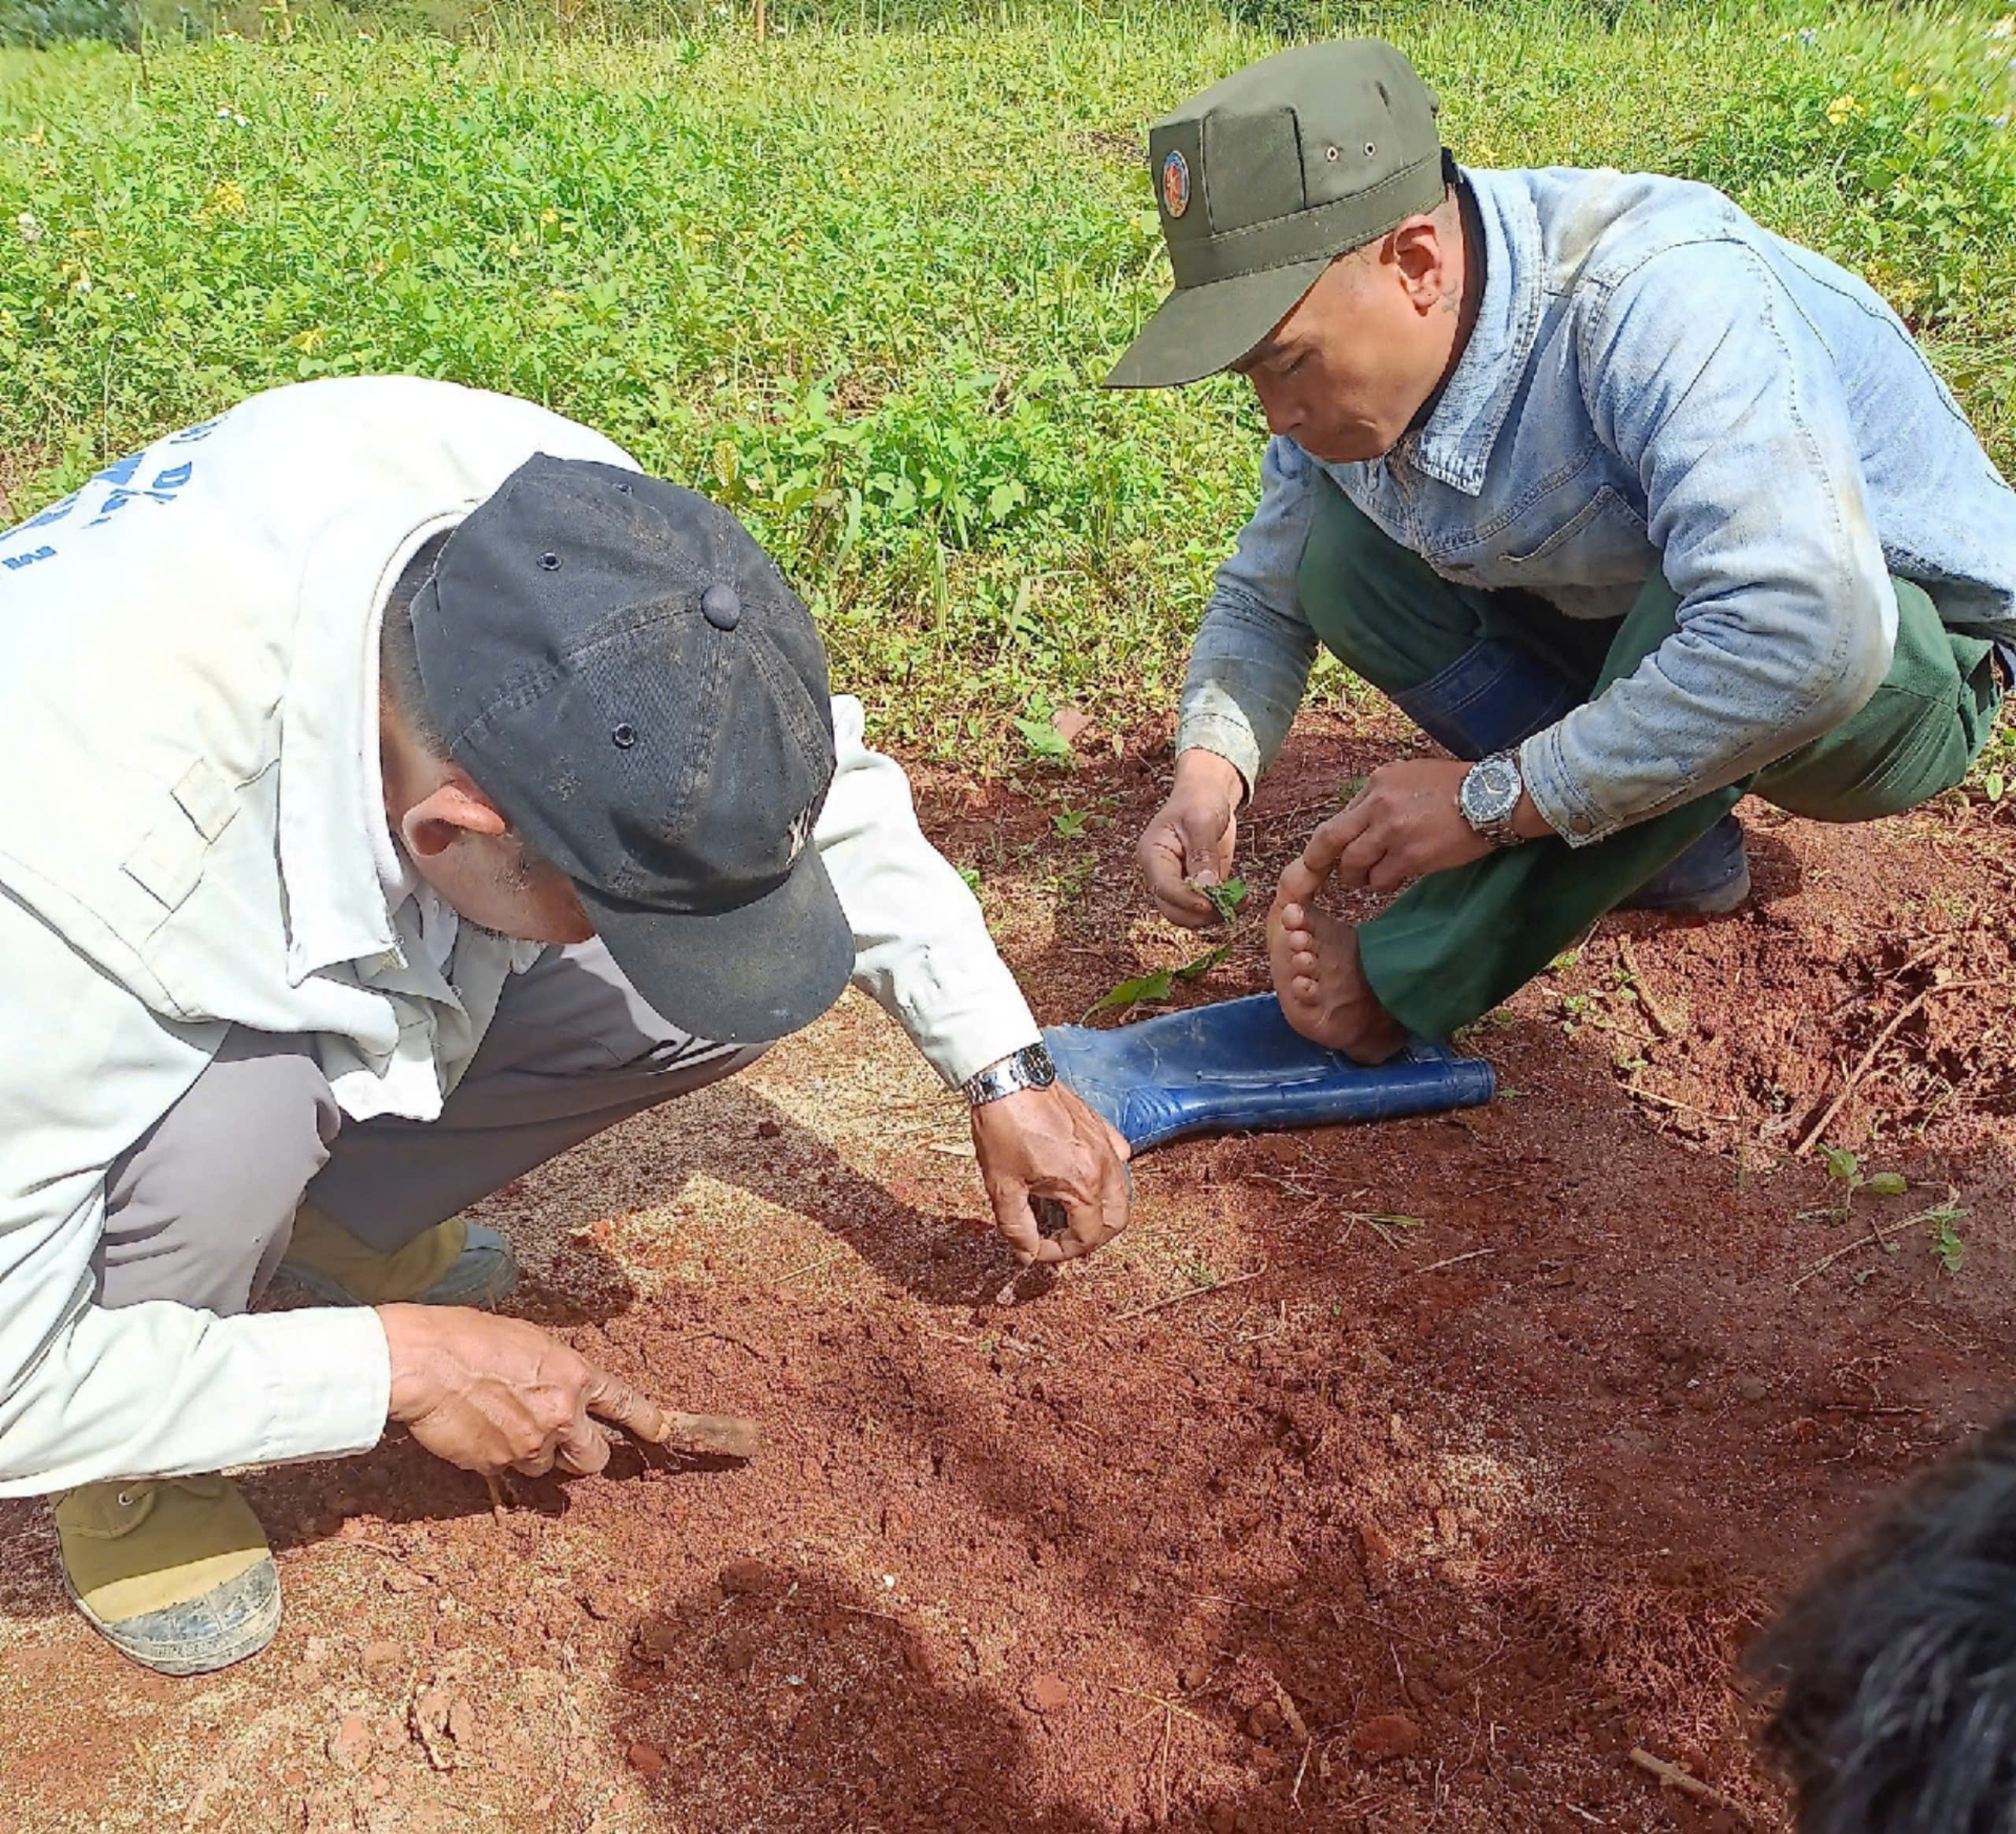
{"x":1455,"y":445}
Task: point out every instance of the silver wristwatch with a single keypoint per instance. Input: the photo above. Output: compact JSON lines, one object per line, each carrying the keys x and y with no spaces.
{"x":1490,"y":795}
{"x":1030,"y":1068}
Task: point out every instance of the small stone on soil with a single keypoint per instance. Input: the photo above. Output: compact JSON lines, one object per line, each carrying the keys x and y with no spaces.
{"x":1048,"y":1694}
{"x":350,"y":1744}
{"x":659,"y":1637}
{"x":1392,"y":1735}
{"x":646,"y":1760}
{"x":769,"y":1130}
{"x":745,"y":1576}
{"x":1195,"y":1675}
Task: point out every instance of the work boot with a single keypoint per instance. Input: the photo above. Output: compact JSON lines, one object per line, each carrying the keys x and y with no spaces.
{"x":454,"y":1263}
{"x":172,"y":1572}
{"x":1710,"y":880}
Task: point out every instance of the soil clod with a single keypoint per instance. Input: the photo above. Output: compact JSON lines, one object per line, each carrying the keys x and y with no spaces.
{"x":646,"y":1760}
{"x":1389,"y":1736}
{"x":1048,"y":1694}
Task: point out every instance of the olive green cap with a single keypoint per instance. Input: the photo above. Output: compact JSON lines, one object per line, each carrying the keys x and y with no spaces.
{"x":1265,"y":179}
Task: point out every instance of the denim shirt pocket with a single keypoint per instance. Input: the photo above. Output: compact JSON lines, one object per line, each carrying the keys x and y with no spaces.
{"x":1590,"y":565}
{"x":1589,"y":533}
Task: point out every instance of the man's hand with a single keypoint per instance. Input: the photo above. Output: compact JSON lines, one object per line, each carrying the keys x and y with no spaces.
{"x":1401,"y":826}
{"x":1046,"y":1142}
{"x":494,"y":1394}
{"x":1193,"y":836}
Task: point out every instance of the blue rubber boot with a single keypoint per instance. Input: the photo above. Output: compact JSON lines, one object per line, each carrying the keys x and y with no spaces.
{"x":1239,"y":1064}
{"x":1495,"y":694}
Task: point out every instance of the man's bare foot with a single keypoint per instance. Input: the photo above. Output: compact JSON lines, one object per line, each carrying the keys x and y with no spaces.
{"x":1317,"y":976}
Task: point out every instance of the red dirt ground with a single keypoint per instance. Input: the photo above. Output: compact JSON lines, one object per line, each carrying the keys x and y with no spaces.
{"x":1514,"y":1423}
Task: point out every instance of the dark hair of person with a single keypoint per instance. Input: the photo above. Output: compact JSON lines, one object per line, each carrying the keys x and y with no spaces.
{"x":1895,"y":1670}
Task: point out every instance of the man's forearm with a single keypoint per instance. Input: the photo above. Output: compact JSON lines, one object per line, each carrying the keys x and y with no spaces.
{"x":159,"y":1390}
{"x":922,"y":950}
{"x":1248,"y":668}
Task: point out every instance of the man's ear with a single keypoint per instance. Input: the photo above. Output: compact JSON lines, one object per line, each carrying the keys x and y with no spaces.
{"x":1419,"y":254}
{"x":453,"y":808}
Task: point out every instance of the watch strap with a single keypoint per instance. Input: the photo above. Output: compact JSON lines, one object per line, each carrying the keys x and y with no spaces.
{"x":1030,"y":1068}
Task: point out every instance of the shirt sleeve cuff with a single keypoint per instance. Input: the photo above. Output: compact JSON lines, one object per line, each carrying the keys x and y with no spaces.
{"x":1557,"y":797}
{"x":964,"y":1034}
{"x":328,"y":1374}
{"x":1224,"y":739}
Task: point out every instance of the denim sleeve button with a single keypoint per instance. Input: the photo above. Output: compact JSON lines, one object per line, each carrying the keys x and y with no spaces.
{"x":721,"y":606}
{"x":1581,"y":824}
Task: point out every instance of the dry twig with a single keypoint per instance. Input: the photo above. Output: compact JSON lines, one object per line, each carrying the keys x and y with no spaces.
{"x":1877,"y":1238}
{"x":1663,"y":1021}
{"x":812,"y":1266}
{"x":1869,"y":1056}
{"x":1435,"y":1266}
{"x":1671,"y":1776}
{"x":1216,"y":1286}
{"x":1644,"y":1094}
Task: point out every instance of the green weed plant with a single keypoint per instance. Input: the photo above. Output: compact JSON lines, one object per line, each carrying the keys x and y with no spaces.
{"x":862,"y":284}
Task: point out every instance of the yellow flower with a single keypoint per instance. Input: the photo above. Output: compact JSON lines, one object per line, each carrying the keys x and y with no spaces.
{"x":549,"y":216}
{"x":1841,"y":107}
{"x":228,"y":198}
{"x":311,"y":341}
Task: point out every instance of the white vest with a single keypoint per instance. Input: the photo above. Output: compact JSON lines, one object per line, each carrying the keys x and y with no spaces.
{"x":150,"y":732}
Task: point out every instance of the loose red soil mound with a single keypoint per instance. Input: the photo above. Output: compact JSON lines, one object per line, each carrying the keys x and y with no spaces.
{"x":1505,"y":1429}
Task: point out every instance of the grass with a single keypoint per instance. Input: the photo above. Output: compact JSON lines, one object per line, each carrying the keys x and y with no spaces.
{"x":863,"y":285}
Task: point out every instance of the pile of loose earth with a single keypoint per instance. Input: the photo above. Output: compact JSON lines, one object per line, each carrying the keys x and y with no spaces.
{"x":1377,"y":1479}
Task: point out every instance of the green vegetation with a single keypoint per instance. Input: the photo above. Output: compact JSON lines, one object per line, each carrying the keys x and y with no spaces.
{"x":1845,"y":1169}
{"x":1951,"y":1251}
{"x":861,"y":285}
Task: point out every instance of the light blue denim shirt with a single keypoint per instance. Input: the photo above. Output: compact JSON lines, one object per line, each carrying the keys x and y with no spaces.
{"x":1654,"y":383}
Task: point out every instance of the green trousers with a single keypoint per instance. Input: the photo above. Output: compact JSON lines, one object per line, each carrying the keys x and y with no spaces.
{"x":1452,"y":946}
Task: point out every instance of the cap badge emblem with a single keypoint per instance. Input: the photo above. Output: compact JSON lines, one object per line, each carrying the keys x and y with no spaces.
{"x":1175,"y":184}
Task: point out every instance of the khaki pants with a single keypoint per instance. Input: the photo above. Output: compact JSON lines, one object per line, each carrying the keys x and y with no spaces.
{"x":199,"y":1210}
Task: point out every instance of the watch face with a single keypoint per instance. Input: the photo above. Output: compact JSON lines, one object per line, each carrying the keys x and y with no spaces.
{"x":1491,"y":791}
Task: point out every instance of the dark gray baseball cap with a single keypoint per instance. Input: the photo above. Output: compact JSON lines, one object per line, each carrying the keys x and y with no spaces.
{"x":623,"y":671}
{"x":1267,"y":178}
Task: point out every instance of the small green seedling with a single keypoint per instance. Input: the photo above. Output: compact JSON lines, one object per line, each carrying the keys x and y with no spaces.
{"x":971,"y":876}
{"x":1946,"y":1242}
{"x":1349,"y":789}
{"x":1069,"y":823}
{"x":1845,"y":1169}
{"x":1152,"y":989}
{"x":1225,"y":898}
{"x":1992,"y":783}
{"x":1045,"y":742}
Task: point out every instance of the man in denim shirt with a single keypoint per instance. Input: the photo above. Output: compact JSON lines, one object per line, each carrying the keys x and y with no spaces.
{"x":1610,"y":488}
